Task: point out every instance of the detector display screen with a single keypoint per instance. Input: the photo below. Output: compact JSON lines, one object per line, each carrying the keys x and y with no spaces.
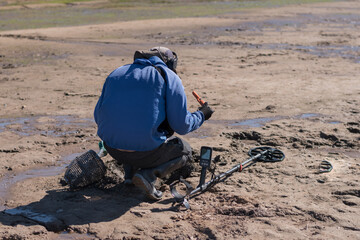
{"x":205,"y":156}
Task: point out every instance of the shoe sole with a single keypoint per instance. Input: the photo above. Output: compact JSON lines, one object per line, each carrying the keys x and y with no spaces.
{"x":139,"y":181}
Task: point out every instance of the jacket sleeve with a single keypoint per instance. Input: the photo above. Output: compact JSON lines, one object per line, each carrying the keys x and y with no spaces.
{"x":180,"y":119}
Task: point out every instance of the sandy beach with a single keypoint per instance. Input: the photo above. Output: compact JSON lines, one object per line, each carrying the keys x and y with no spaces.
{"x":285,"y":77}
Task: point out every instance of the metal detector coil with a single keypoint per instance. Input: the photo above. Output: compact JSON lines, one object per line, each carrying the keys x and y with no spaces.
{"x":272,"y":154}
{"x":84,"y":170}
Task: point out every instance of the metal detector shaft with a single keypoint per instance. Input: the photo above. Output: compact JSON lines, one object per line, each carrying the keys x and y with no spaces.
{"x":221,"y":176}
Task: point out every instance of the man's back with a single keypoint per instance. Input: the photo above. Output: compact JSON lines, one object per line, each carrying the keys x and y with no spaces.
{"x":133,"y":104}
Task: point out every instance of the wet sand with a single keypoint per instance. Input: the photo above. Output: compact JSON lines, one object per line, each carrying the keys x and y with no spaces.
{"x":285,"y":77}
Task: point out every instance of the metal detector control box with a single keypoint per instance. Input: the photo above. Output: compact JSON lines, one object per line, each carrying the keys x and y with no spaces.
{"x":205,"y":156}
{"x":205,"y":161}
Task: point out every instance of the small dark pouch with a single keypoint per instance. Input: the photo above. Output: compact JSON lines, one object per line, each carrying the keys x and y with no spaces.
{"x":164,"y":126}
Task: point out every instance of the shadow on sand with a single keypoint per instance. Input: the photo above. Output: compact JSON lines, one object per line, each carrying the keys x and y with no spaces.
{"x":60,"y":209}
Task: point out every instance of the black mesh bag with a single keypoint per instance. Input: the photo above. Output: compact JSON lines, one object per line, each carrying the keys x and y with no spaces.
{"x":84,"y":170}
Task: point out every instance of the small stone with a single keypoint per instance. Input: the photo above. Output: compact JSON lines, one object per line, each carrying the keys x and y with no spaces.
{"x":8,"y":168}
{"x":223,"y":163}
{"x":321,"y":180}
{"x":140,"y":213}
{"x":270,"y":107}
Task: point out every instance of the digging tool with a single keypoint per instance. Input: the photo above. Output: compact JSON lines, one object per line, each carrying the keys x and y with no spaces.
{"x":205,"y":108}
{"x":198,"y":98}
{"x":259,"y":154}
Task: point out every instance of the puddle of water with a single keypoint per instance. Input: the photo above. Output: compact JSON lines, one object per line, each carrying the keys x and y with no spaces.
{"x":334,"y":122}
{"x":205,"y":132}
{"x":28,"y":126}
{"x":276,"y":24}
{"x":343,"y":51}
{"x":52,"y":223}
{"x":260,"y":122}
{"x":325,"y":51}
{"x":9,"y":180}
{"x":71,"y":236}
{"x":301,"y":20}
{"x":257,"y":122}
{"x":28,"y":213}
{"x":307,"y":115}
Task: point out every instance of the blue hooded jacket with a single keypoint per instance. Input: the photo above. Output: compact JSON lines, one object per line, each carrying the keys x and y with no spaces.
{"x":135,"y":100}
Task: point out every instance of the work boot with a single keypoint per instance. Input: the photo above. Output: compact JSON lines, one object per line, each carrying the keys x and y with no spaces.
{"x":129,"y":172}
{"x":146,"y":178}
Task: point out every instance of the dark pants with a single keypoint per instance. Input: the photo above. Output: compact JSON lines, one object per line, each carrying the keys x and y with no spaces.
{"x":172,"y":148}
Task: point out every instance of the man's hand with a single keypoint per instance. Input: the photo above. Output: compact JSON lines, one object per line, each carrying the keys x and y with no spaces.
{"x":206,"y":110}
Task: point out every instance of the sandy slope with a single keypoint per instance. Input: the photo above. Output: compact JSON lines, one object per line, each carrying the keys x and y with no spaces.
{"x":271,"y":65}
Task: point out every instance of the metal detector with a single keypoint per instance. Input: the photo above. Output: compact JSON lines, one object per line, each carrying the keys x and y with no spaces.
{"x":259,"y":154}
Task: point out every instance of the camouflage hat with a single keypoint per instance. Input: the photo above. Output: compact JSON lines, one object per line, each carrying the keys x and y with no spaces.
{"x":169,"y":57}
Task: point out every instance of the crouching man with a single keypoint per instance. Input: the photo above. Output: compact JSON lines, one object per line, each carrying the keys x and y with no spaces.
{"x":141,"y":105}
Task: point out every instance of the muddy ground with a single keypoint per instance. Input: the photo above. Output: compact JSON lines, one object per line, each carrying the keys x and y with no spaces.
{"x":285,"y":77}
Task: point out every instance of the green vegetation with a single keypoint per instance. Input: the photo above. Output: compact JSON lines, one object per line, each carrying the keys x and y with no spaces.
{"x":25,"y":2}
{"x":125,"y":10}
